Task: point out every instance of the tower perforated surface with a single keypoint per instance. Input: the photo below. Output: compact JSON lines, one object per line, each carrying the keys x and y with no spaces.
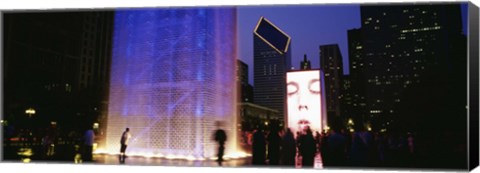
{"x":172,"y":78}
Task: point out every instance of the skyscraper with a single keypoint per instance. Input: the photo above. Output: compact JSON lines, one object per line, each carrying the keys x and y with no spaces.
{"x":332,"y":66}
{"x":408,"y":45}
{"x":357,"y":83}
{"x":271,"y":61}
{"x":305,"y":64}
{"x":245,"y":89}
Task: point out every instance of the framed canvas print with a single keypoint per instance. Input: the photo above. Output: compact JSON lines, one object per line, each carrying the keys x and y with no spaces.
{"x":352,"y":86}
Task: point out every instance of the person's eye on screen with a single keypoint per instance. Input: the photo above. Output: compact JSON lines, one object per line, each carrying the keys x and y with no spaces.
{"x":314,"y":86}
{"x":292,"y":88}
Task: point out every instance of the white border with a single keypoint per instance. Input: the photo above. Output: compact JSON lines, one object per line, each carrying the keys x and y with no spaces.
{"x":6,"y":5}
{"x":89,"y":4}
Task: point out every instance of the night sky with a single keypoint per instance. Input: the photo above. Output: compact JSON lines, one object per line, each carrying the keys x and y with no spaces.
{"x":309,"y":26}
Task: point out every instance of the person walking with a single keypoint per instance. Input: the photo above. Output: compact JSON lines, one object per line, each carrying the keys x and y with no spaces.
{"x":220,"y":137}
{"x":124,"y":143}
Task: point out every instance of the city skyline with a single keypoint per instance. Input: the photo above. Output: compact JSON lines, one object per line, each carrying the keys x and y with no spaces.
{"x":309,"y":26}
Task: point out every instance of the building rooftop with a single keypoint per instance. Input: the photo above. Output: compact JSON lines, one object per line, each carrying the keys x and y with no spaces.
{"x":272,"y":35}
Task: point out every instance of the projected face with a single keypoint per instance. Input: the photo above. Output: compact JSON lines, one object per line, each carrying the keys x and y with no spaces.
{"x":303,"y":100}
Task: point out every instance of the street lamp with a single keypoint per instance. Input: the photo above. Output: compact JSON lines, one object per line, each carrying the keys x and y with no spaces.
{"x":350,"y":121}
{"x":30,"y":112}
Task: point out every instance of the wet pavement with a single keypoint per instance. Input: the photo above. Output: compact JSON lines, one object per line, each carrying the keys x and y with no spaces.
{"x":136,"y":160}
{"x":66,"y":154}
{"x":70,"y":154}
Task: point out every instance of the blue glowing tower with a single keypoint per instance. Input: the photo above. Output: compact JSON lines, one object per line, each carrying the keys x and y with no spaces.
{"x":172,"y":78}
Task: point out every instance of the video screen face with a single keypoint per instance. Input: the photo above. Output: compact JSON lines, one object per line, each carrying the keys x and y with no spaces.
{"x":304,"y":101}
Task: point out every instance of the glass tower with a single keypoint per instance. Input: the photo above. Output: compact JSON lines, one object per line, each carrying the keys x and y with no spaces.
{"x":271,"y":61}
{"x":172,"y":77}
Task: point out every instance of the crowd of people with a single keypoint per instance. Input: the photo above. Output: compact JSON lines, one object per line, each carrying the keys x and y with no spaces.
{"x":335,"y":148}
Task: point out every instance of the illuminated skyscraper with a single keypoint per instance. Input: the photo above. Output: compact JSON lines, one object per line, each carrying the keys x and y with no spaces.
{"x":332,"y":65}
{"x":355,"y":83}
{"x":401,"y":45}
{"x":172,"y":77}
{"x":271,"y":49}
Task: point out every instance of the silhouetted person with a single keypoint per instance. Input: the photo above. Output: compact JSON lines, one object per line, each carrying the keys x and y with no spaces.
{"x":220,"y":137}
{"x":380,"y":146}
{"x":324,"y":148}
{"x":274,"y":141}
{"x":88,"y":144}
{"x":307,"y":148}
{"x":123,"y":144}
{"x":336,"y":149}
{"x":258,"y":148}
{"x":289,"y":149}
{"x":360,"y":149}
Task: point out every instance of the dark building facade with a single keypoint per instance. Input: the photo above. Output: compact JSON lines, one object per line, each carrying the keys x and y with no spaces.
{"x":255,"y":116}
{"x":94,"y":68}
{"x":48,"y":56}
{"x":405,"y":48}
{"x":331,"y":64}
{"x":271,"y":60}
{"x":245,"y":89}
{"x":357,"y":82}
{"x":41,"y":55}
